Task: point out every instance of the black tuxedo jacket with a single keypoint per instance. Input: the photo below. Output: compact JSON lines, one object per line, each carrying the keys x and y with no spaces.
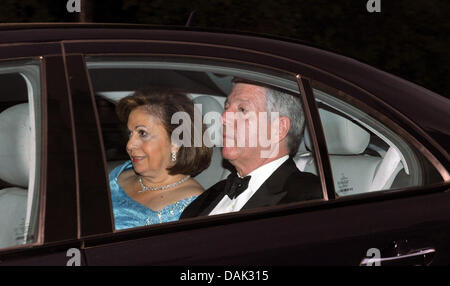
{"x":287,"y":184}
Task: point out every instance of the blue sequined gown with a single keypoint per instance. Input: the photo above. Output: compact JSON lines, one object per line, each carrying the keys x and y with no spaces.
{"x":129,"y":213}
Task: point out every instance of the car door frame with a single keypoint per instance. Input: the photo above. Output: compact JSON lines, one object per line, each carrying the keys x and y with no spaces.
{"x":58,"y":212}
{"x":99,"y":246}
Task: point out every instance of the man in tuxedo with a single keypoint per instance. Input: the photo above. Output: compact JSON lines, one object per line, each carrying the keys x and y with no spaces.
{"x":265,"y":173}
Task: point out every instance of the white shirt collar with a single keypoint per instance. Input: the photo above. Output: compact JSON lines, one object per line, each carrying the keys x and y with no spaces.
{"x":258,"y":177}
{"x":261,"y":174}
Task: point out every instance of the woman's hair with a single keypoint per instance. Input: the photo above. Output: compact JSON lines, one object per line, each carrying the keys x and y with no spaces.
{"x":163,"y":104}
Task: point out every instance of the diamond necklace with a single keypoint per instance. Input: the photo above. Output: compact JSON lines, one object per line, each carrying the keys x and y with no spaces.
{"x":145,"y":188}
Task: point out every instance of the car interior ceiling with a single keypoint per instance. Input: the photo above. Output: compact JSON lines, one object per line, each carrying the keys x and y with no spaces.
{"x":132,"y":79}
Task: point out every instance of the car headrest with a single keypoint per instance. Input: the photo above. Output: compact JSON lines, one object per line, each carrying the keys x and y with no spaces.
{"x":342,"y":135}
{"x":214,"y":109}
{"x":15,"y":145}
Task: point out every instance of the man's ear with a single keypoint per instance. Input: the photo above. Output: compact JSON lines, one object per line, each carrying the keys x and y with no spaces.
{"x":283,"y":124}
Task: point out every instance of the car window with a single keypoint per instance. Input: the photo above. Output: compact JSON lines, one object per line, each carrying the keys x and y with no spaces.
{"x":206,"y":83}
{"x":365,"y":155}
{"x":19,"y":152}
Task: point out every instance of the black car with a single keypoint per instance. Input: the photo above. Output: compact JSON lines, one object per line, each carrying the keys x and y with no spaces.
{"x":378,"y":143}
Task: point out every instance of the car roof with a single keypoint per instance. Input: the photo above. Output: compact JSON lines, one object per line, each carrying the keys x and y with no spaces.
{"x":425,"y":108}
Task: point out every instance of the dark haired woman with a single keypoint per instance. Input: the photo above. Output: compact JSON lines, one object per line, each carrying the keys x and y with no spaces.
{"x":156,"y":184}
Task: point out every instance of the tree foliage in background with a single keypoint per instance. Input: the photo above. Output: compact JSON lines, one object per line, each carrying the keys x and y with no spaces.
{"x":24,"y":11}
{"x":408,"y":38}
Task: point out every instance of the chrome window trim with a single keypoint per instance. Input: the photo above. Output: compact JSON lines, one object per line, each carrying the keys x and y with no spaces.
{"x":32,"y":71}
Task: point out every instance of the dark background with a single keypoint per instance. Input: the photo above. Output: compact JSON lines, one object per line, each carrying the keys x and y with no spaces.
{"x":408,"y":38}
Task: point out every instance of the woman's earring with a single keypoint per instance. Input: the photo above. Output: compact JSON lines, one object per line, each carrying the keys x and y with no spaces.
{"x":174,"y":156}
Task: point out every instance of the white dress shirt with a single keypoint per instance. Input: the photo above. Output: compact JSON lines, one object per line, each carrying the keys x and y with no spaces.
{"x":258,"y":177}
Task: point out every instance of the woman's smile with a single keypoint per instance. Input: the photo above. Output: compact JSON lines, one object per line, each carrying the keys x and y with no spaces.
{"x":136,"y":159}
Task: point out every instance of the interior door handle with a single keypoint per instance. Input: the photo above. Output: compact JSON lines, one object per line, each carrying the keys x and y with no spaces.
{"x":416,"y":257}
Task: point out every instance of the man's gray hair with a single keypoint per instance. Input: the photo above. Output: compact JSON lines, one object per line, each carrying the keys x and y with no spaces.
{"x":289,"y":106}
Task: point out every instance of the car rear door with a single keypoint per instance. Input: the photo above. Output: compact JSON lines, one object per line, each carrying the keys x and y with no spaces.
{"x":405,"y":226}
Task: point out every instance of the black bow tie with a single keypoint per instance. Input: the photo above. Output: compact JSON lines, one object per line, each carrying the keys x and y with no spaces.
{"x":235,"y":185}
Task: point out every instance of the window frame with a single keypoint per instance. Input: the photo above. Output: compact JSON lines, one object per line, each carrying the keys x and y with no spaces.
{"x":92,"y":180}
{"x":393,"y":126}
{"x":141,"y":48}
{"x":55,"y":198}
{"x":37,"y":124}
{"x":210,"y":65}
{"x":393,"y":123}
{"x":322,"y":157}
